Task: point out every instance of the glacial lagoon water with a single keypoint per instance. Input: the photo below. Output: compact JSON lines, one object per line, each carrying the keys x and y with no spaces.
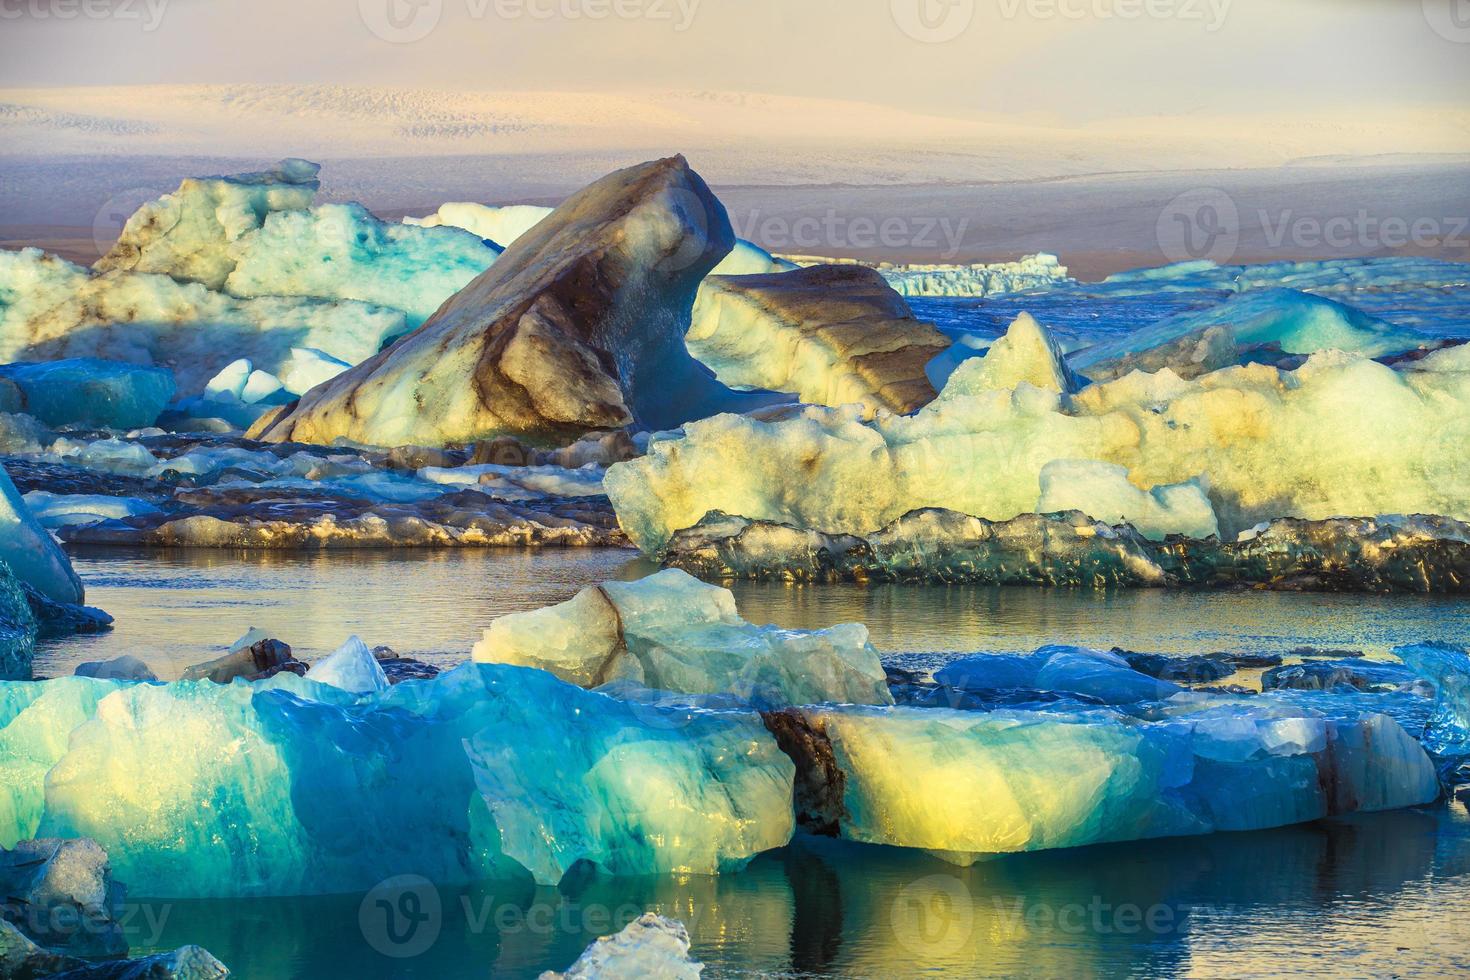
{"x":1376,"y":895}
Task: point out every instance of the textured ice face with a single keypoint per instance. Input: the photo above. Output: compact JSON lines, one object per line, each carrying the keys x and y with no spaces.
{"x":32,"y":554}
{"x":1102,"y":491}
{"x":966,"y":784}
{"x":1326,"y":440}
{"x":352,"y":668}
{"x":833,"y":335}
{"x":294,"y":787}
{"x":1038,"y":271}
{"x":17,"y":628}
{"x":1025,"y":355}
{"x":672,"y":632}
{"x":1076,"y":671}
{"x":51,"y":309}
{"x":88,"y":392}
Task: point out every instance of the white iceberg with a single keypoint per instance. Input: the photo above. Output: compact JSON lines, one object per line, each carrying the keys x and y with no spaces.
{"x":351,"y":668}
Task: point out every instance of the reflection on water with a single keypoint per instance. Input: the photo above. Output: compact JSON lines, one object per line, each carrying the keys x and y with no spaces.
{"x":176,"y":608}
{"x":1378,"y":895}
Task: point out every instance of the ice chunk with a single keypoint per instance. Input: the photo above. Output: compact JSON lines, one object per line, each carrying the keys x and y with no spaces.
{"x":51,"y":309}
{"x":1448,"y":669}
{"x":831,"y":334}
{"x":1026,"y":354}
{"x":54,"y":510}
{"x":674,"y":633}
{"x":342,"y":251}
{"x":579,"y":327}
{"x":30,"y":551}
{"x":352,"y":668}
{"x":965,"y":784}
{"x":1267,"y":320}
{"x":124,"y":668}
{"x":90,"y":392}
{"x":307,"y":367}
{"x":21,"y":957}
{"x":188,"y":234}
{"x":1104,"y":677}
{"x":1242,"y":428}
{"x":231,"y":379}
{"x":651,"y":947}
{"x":294,"y":787}
{"x":62,"y":893}
{"x":749,"y":259}
{"x":1103,"y":491}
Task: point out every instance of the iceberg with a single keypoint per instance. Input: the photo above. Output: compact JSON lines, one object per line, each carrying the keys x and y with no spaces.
{"x":671,"y":632}
{"x":30,"y":551}
{"x":51,"y":309}
{"x":294,"y":787}
{"x":982,"y":453}
{"x":62,"y":893}
{"x":1447,"y":667}
{"x":1388,"y":554}
{"x":965,"y":784}
{"x":258,"y":234}
{"x":87,"y":392}
{"x":833,"y":335}
{"x":352,"y":668}
{"x":21,"y":957}
{"x":307,"y":367}
{"x":579,"y":327}
{"x":1264,"y":324}
{"x":650,"y":947}
{"x":1039,"y":271}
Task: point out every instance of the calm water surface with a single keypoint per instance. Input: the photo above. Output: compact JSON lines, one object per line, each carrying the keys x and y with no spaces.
{"x":1380,"y":895}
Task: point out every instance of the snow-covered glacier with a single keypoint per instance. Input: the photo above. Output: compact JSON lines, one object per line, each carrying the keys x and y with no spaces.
{"x":673,"y":633}
{"x":1383,"y":440}
{"x":293,"y":787}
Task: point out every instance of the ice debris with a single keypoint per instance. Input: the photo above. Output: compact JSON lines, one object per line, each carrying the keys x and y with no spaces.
{"x":672,"y":632}
{"x":30,"y":551}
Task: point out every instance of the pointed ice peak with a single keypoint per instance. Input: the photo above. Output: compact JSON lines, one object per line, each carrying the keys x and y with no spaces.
{"x":1027,"y":353}
{"x":352,"y":667}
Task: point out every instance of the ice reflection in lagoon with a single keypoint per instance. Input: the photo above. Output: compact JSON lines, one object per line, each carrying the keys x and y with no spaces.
{"x":180,"y":607}
{"x":1387,"y":893}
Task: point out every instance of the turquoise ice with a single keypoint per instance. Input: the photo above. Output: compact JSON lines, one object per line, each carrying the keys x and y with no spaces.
{"x":86,"y":391}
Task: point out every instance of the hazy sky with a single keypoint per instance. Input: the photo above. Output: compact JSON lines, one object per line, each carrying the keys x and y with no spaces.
{"x":1067,"y":60}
